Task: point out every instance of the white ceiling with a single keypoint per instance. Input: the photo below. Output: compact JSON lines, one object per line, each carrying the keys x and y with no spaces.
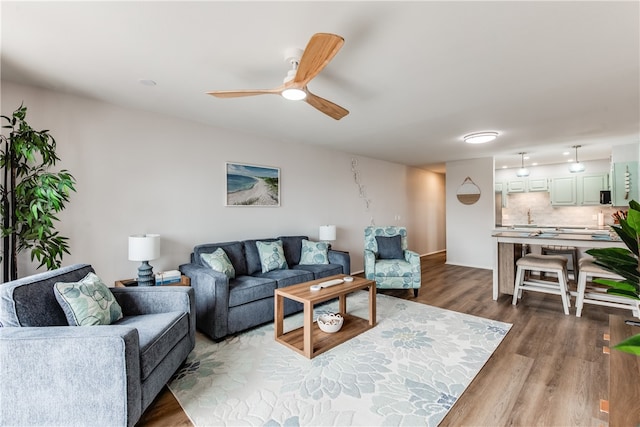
{"x":416,"y":76}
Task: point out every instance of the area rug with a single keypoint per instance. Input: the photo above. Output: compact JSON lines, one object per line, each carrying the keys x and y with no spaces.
{"x":408,"y":370}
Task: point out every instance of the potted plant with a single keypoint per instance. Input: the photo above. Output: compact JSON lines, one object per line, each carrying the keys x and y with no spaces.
{"x":625,"y":263}
{"x":30,"y":195}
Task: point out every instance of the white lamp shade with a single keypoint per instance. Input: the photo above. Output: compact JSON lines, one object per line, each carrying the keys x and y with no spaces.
{"x":576,"y":167}
{"x":327,"y":233}
{"x":144,"y":247}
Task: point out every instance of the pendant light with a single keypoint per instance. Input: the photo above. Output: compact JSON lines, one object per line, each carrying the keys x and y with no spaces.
{"x":577,"y":166}
{"x":522,"y":172}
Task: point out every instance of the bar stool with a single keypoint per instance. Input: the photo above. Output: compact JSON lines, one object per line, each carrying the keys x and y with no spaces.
{"x":597,"y":294}
{"x":564,"y":250}
{"x":544,"y":263}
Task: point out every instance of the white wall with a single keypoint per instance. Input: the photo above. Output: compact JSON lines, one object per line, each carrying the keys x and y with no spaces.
{"x":140,"y":172}
{"x":469,"y":227}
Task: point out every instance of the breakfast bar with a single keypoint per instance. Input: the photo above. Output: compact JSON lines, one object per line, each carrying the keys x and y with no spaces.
{"x":508,"y":248}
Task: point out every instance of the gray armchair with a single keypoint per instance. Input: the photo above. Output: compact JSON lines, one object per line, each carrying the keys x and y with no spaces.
{"x":55,"y":374}
{"x":388,"y":261}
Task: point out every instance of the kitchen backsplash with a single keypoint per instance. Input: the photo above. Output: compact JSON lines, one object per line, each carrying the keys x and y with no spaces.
{"x":542,"y":213}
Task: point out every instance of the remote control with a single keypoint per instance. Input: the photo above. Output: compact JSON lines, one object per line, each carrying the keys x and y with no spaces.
{"x":330,"y":283}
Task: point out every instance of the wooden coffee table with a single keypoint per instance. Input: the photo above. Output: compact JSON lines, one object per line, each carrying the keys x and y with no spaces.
{"x":309,"y":340}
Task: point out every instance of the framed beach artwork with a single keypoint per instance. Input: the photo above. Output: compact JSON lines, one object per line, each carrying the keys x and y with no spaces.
{"x":252,"y":185}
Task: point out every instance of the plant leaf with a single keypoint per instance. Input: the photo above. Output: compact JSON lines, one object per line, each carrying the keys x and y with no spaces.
{"x":630,"y":345}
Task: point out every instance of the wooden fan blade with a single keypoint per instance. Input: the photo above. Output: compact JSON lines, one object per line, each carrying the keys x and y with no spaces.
{"x":240,"y":93}
{"x":329,"y":108}
{"x":319,"y":51}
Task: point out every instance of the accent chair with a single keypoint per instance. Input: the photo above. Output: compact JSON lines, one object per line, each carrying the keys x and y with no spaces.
{"x":388,"y":261}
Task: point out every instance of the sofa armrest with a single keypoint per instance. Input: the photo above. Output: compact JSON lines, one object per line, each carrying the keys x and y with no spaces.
{"x":137,"y":300}
{"x":342,"y":258}
{"x":369,"y":264}
{"x":212,"y":299}
{"x":47,"y":374}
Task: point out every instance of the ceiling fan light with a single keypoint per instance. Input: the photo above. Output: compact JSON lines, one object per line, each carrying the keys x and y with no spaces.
{"x":294,"y":94}
{"x":480,"y":137}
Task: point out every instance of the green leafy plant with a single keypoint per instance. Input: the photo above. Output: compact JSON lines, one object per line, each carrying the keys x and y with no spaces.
{"x":625,"y":263}
{"x":30,"y":195}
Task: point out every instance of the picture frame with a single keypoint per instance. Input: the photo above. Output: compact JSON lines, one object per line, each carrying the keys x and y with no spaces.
{"x":252,"y":185}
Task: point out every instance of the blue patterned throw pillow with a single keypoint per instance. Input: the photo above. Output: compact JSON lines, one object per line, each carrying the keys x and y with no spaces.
{"x":272,"y":256}
{"x":87,"y":302}
{"x":314,"y":253}
{"x":219,"y":261}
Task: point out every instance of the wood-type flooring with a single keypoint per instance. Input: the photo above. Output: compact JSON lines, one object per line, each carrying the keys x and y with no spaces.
{"x":549,"y":370}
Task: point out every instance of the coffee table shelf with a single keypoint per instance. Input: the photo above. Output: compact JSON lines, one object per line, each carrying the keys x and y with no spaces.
{"x":309,"y":340}
{"x":323,"y":341}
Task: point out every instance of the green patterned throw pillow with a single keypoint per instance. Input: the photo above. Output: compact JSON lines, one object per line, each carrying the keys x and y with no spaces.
{"x":87,"y":302}
{"x":272,"y":256}
{"x":314,"y":253}
{"x":219,"y":261}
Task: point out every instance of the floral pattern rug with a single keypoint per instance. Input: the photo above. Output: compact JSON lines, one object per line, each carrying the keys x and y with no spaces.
{"x":408,"y":370}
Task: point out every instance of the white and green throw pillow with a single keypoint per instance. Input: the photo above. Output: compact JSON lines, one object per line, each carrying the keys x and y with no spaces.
{"x":219,"y":261}
{"x":87,"y":302}
{"x":272,"y":256}
{"x":314,"y":253}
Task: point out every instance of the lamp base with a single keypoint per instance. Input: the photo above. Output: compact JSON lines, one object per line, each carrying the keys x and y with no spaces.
{"x":145,"y":275}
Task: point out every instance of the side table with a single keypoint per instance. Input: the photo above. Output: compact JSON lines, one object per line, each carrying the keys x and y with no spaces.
{"x":184,"y":281}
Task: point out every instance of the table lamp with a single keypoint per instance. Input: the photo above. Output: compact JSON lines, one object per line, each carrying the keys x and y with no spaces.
{"x":327,"y":233}
{"x":144,"y":247}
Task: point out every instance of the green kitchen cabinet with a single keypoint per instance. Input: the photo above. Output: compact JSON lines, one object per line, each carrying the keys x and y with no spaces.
{"x":564,"y":191}
{"x":624,"y":183}
{"x":589,"y":187}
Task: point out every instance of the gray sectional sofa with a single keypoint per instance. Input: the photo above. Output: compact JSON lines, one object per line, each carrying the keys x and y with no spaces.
{"x":225,"y":306}
{"x":103,"y":375}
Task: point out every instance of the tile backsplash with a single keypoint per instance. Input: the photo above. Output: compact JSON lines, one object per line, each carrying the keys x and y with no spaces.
{"x":538,"y":204}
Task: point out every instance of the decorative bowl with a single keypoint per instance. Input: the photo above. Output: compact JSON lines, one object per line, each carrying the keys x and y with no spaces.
{"x":330,"y":322}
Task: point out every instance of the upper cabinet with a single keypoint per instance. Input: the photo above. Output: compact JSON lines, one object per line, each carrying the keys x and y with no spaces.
{"x":578,"y":190}
{"x":589,"y":187}
{"x":624,"y":183}
{"x":538,"y":184}
{"x":564,"y":191}
{"x":517,"y":186}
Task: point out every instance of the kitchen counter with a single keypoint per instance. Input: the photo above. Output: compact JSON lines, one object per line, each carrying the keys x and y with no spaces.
{"x":508,"y":249}
{"x":579,"y":229}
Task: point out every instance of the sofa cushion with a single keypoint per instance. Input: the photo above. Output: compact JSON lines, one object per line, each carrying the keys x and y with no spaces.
{"x":314,"y":252}
{"x":292,"y":246}
{"x":245,"y":289}
{"x":30,"y":301}
{"x":235,"y":252}
{"x":158,"y":334}
{"x":219,"y":261}
{"x":320,"y":270}
{"x":271,"y":256}
{"x":390,"y":247}
{"x":287,"y":277}
{"x":253,"y":256}
{"x":87,"y":302}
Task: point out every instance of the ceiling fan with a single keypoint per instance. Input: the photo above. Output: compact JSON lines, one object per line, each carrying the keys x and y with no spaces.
{"x":322,"y":47}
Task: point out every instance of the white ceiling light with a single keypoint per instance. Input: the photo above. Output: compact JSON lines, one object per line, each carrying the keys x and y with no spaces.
{"x":480,"y":137}
{"x":294,"y":94}
{"x":577,"y":166}
{"x":522,"y":172}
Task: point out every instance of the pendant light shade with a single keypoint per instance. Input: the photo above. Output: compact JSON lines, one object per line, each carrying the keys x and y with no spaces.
{"x":522,"y":172}
{"x":576,"y":166}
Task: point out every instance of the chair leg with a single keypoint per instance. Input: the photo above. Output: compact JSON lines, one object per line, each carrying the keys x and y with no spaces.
{"x":582,"y":284}
{"x":516,"y":289}
{"x":564,"y":292}
{"x":415,"y":293}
